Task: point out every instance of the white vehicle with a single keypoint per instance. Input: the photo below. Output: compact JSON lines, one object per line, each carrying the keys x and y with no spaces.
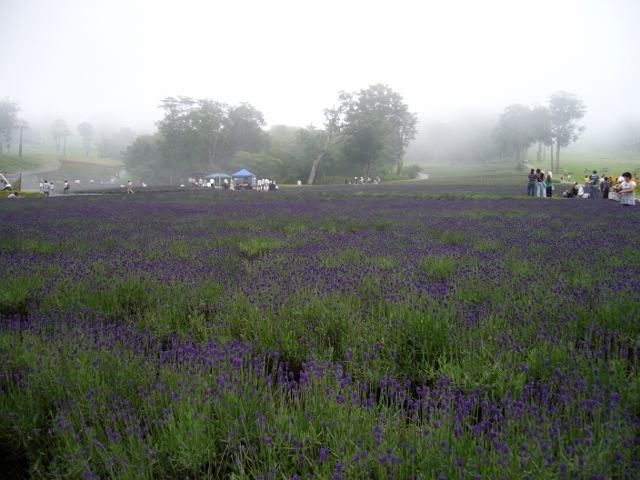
{"x":4,"y":183}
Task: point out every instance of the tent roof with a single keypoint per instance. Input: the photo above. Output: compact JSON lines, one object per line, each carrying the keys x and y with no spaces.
{"x":218,"y":175}
{"x":243,"y":173}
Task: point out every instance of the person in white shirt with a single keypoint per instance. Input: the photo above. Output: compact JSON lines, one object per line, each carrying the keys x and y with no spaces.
{"x":627,"y":191}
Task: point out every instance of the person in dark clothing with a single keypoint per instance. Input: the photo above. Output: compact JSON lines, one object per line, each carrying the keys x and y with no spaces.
{"x":531,"y":186}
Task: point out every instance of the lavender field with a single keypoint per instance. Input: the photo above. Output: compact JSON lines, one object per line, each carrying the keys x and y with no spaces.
{"x":334,"y":332}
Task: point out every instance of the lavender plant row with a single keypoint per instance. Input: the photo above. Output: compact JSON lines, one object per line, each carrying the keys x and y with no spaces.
{"x":319,"y":333}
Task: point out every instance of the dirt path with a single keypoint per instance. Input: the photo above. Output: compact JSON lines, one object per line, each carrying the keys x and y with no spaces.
{"x":49,"y":167}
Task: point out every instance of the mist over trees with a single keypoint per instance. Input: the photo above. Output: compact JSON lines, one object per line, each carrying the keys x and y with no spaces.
{"x":369,"y":130}
{"x":85,"y":129}
{"x":627,"y":135}
{"x":205,"y":135}
{"x":466,"y":139}
{"x":367,"y":133}
{"x":519,"y":126}
{"x":60,"y":132}
{"x":377,"y":127}
{"x":9,"y":110}
{"x":114,"y":145}
{"x":565,"y":110}
{"x":515,"y":130}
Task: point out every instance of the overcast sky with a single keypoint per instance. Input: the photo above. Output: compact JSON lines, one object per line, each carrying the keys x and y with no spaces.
{"x":113,"y":60}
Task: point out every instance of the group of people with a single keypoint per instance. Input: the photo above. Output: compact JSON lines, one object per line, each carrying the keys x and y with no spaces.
{"x":539,"y":184}
{"x":623,"y":190}
{"x":266,"y":184}
{"x":361,"y":181}
{"x":196,"y":182}
{"x":46,"y":187}
{"x":263,"y":184}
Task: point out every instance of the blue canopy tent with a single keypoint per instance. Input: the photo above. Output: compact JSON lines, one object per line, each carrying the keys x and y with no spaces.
{"x":248,"y":177}
{"x":217,"y":177}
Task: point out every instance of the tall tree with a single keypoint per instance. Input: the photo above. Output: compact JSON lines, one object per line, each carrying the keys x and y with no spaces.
{"x":514,"y":130}
{"x":565,"y":110}
{"x":209,"y":121}
{"x":142,"y":159}
{"x":363,"y":140}
{"x":85,"y":130}
{"x":8,"y":121}
{"x":332,"y":125}
{"x":377,"y":126}
{"x":295,"y":149}
{"x":60,"y":132}
{"x":200,"y":135}
{"x":244,"y":129}
{"x":541,"y":130}
{"x":176,"y":137}
{"x":402,"y":133}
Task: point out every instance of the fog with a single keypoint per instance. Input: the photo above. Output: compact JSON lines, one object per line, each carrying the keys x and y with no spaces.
{"x":109,"y":62}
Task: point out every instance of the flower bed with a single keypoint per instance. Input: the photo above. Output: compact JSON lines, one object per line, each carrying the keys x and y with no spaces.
{"x":383,"y":332}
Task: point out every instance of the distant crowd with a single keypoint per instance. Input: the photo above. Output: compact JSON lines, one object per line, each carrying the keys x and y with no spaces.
{"x":361,"y":181}
{"x":621,"y":190}
{"x":235,"y":183}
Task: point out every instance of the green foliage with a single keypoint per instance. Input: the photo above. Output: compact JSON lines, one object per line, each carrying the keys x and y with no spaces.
{"x":412,"y":171}
{"x":439,"y":267}
{"x":60,"y":132}
{"x":377,"y":128}
{"x":260,"y":164}
{"x":293,"y":344}
{"x":203,"y":135}
{"x":259,"y":246}
{"x":565,"y":109}
{"x":514,"y":130}
{"x":142,"y":159}
{"x":8,"y":120}
{"x":114,"y":146}
{"x":383,"y":224}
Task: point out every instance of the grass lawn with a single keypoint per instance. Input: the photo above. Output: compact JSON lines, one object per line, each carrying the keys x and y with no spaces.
{"x":572,"y":160}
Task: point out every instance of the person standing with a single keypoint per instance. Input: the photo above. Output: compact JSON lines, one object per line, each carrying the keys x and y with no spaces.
{"x":46,"y":188}
{"x":593,"y":184}
{"x":539,"y":183}
{"x":548,"y":185}
{"x":66,"y":188}
{"x":627,"y":191}
{"x":531,"y":186}
{"x":130,"y":187}
{"x":605,"y":186}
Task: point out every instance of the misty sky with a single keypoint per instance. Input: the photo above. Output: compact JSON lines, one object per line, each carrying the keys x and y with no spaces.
{"x":111,"y":61}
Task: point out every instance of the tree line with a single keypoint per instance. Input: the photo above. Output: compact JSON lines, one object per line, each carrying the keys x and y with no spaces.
{"x":366,"y":132}
{"x":10,"y":123}
{"x":554,"y":126}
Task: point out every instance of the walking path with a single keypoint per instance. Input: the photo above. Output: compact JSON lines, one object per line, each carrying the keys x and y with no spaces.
{"x":49,"y":167}
{"x":31,"y":184}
